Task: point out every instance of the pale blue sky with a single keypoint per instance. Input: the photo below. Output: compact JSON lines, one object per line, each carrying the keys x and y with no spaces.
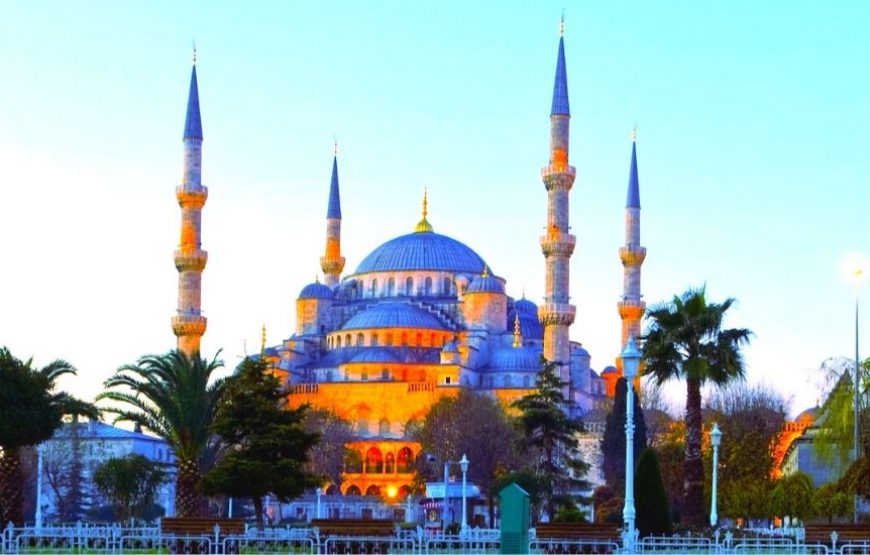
{"x":752,"y":121}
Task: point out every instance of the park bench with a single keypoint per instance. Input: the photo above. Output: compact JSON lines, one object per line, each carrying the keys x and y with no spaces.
{"x":201,"y":526}
{"x":354,"y":527}
{"x":821,"y":533}
{"x":577,"y":531}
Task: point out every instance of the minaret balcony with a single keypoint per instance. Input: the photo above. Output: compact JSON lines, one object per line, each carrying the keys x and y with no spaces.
{"x":191,"y":196}
{"x":556,"y":314}
{"x":331,"y":265}
{"x":192,"y":260}
{"x":187,"y":324}
{"x":632,"y":256}
{"x":558,"y":169}
{"x":557,"y":243}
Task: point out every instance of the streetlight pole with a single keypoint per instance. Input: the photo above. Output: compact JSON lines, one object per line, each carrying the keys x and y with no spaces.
{"x":444,"y":512}
{"x":715,"y":440}
{"x":855,"y":269}
{"x":630,"y":360}
{"x":463,"y":464}
{"x":38,"y":516}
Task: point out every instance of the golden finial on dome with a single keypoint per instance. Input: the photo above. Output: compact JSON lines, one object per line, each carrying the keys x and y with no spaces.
{"x":634,"y":133}
{"x":518,"y":338}
{"x":194,"y":52}
{"x":562,"y":25}
{"x":334,"y":146}
{"x":423,"y":226}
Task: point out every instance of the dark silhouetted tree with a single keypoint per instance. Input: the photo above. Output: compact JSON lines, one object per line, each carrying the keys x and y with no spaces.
{"x":613,"y":441}
{"x":651,"y":501}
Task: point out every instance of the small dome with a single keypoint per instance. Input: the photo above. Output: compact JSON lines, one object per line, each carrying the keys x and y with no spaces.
{"x":580,"y":351}
{"x":270,"y":351}
{"x":523,"y":359}
{"x":375,"y":355}
{"x":526,"y":306}
{"x":316,"y":290}
{"x":609,"y":370}
{"x":392,"y":315}
{"x":808,"y":416}
{"x":485,"y":284}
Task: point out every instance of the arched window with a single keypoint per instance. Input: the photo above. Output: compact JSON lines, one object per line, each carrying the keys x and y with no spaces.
{"x":404,"y":341}
{"x":347,"y":340}
{"x":390,"y":464}
{"x":432,"y":340}
{"x":447,"y":286}
{"x":329,"y":375}
{"x":388,"y":340}
{"x":391,"y":287}
{"x":374,"y":341}
{"x":360,"y":338}
{"x":338,"y":341}
{"x":347,"y":375}
{"x":409,"y":286}
{"x":403,"y":460}
{"x":352,"y":490}
{"x":374,"y":491}
{"x":404,"y":491}
{"x":385,"y":374}
{"x":383,"y":428}
{"x":374,"y":288}
{"x":427,"y":286}
{"x":404,"y":374}
{"x":527,"y":381}
{"x":364,"y":376}
{"x":508,"y":381}
{"x":419,"y":340}
{"x":374,"y":461}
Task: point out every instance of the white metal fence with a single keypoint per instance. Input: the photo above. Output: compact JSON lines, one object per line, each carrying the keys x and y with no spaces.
{"x":115,"y":540}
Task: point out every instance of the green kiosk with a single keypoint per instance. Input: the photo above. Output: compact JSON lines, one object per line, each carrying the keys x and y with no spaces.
{"x":515,"y":516}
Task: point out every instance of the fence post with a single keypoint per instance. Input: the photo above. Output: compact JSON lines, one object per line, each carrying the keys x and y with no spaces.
{"x":834,"y":537}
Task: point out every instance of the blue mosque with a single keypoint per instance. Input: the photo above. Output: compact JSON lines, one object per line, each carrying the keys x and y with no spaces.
{"x":422,"y":315}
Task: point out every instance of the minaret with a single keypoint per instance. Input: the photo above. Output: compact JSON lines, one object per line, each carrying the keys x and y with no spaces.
{"x":188,"y":323}
{"x":556,"y":313}
{"x":332,"y":262}
{"x":631,"y":307}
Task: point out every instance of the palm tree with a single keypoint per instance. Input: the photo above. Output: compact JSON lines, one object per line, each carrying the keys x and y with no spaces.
{"x":175,"y":397}
{"x":685,"y":340}
{"x":30,"y":412}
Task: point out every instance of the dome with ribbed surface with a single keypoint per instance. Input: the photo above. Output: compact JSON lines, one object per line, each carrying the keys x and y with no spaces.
{"x":530,"y":326}
{"x":316,"y":291}
{"x":522,"y":359}
{"x":392,"y":315}
{"x":485,"y":284}
{"x":526,"y":306}
{"x":422,"y":251}
{"x":375,"y":354}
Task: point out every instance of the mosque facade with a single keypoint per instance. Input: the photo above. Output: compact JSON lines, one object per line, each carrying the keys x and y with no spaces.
{"x":421,"y":317}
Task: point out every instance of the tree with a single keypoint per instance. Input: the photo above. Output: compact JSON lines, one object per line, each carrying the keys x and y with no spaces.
{"x":651,"y":501}
{"x":685,"y":340}
{"x":129,"y":484}
{"x":793,"y":496}
{"x":30,"y":412}
{"x":175,"y":397}
{"x":751,"y":418}
{"x":269,"y":446}
{"x":330,"y":456}
{"x":548,"y":434}
{"x":613,"y":441}
{"x":830,"y":502}
{"x":476,"y":427}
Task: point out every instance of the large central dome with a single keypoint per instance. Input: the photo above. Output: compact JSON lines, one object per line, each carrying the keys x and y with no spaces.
{"x":424,"y":250}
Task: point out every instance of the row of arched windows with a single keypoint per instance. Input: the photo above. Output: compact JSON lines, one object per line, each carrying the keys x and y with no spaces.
{"x":390,"y":289}
{"x":388,"y":339}
{"x":375,"y":462}
{"x":404,"y":491}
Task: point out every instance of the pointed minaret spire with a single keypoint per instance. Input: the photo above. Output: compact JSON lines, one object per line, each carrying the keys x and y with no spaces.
{"x":560,"y":87}
{"x":631,"y":307}
{"x":332,"y":263}
{"x":188,"y":324}
{"x":556,"y":313}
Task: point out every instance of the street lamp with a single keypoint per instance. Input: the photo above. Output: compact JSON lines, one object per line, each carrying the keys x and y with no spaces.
{"x":630,"y":361}
{"x":463,"y":464}
{"x":444,"y":511}
{"x":716,"y":441}
{"x":855,"y":268}
{"x":38,"y":515}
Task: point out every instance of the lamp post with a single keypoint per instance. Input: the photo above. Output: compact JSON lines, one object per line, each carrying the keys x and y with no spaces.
{"x":715,"y":440}
{"x":463,"y":464}
{"x":630,"y":361}
{"x":855,"y":270}
{"x":319,"y":492}
{"x":38,"y":516}
{"x":444,"y":511}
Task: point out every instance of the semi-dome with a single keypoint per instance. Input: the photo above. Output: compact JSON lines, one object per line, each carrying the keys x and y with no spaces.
{"x":374,"y":355}
{"x":392,"y":315}
{"x":485,"y":284}
{"x":316,"y":290}
{"x":422,"y":251}
{"x":522,"y":359}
